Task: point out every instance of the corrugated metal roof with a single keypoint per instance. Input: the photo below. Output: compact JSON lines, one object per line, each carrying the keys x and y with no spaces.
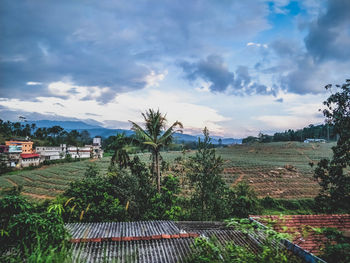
{"x":148,"y":241}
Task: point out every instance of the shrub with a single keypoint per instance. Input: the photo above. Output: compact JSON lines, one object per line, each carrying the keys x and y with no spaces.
{"x":24,"y":229}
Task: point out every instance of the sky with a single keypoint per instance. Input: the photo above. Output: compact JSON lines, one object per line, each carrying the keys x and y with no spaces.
{"x":236,"y":67}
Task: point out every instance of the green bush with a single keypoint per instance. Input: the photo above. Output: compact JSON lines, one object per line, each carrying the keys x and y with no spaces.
{"x":25,"y":228}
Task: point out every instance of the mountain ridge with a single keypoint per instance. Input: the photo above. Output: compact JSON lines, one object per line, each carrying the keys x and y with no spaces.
{"x":96,"y":130}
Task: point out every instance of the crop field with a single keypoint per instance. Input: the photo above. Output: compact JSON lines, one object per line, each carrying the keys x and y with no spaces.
{"x":278,"y":170}
{"x":49,"y":181}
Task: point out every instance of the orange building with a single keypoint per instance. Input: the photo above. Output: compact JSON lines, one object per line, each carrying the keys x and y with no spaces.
{"x":27,"y":146}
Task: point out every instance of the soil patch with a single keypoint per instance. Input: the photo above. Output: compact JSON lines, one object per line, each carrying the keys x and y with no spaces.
{"x":38,"y":196}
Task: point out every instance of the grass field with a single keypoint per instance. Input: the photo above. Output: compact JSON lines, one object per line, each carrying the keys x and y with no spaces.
{"x":274,"y":169}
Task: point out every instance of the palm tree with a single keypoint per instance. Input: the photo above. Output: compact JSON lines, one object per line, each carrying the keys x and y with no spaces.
{"x":120,"y":154}
{"x":154,"y":136}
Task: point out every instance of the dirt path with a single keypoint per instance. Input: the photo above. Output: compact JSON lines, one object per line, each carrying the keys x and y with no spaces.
{"x":38,"y":196}
{"x":11,"y":182}
{"x":306,"y":157}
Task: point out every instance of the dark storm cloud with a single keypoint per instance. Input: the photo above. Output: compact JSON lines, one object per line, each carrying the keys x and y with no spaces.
{"x":329,"y":34}
{"x":211,"y":69}
{"x":110,"y":43}
{"x":221,"y":79}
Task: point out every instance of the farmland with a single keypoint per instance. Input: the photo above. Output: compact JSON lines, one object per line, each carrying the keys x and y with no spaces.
{"x":278,"y":170}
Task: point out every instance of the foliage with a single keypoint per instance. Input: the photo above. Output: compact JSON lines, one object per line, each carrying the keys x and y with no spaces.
{"x":165,"y":205}
{"x":271,"y":206}
{"x":24,"y":228}
{"x":210,"y":250}
{"x":91,"y":171}
{"x":241,"y":201}
{"x":203,"y":171}
{"x":322,"y":131}
{"x":337,"y":247}
{"x":333,"y":175}
{"x":119,"y":147}
{"x":154,"y":136}
{"x":51,"y":136}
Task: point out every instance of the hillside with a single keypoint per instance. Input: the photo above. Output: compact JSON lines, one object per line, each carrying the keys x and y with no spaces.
{"x":278,"y":170}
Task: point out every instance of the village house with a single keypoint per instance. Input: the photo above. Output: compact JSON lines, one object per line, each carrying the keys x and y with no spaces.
{"x":20,"y":153}
{"x":51,"y":152}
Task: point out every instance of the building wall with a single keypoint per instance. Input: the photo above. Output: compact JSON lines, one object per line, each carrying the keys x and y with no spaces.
{"x":27,"y":146}
{"x":30,"y":161}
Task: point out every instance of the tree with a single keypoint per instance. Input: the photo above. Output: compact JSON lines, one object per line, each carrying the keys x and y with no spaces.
{"x":333,"y":175}
{"x":203,"y":171}
{"x":154,"y":136}
{"x":118,"y":146}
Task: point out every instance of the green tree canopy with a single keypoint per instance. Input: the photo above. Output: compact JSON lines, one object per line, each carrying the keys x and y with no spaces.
{"x":155,"y":136}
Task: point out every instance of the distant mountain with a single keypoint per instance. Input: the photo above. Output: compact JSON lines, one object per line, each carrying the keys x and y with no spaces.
{"x":96,"y":130}
{"x":67,"y":125}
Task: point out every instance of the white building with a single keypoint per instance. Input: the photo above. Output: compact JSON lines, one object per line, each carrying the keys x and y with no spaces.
{"x":51,"y":153}
{"x":29,"y":159}
{"x":315,"y":140}
{"x":80,"y":152}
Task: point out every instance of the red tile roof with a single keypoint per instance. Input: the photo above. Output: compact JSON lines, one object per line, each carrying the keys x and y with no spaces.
{"x":300,"y":227}
{"x":29,"y":155}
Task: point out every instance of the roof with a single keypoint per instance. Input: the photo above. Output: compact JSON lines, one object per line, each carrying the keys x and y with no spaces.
{"x":147,"y":241}
{"x":301,"y":227}
{"x":29,"y":155}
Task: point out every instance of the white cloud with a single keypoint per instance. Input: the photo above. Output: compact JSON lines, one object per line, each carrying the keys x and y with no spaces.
{"x":154,"y":78}
{"x":252,"y":44}
{"x":126,"y":106}
{"x":33,"y":83}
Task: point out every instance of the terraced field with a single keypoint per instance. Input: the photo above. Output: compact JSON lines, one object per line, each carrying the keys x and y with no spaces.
{"x":47,"y":182}
{"x":274,"y":169}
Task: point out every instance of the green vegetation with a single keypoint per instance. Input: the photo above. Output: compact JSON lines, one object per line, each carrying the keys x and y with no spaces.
{"x":262,"y":166}
{"x":212,"y":251}
{"x":52,"y":136}
{"x":337,"y":246}
{"x":155,"y":136}
{"x":333,"y":175}
{"x":29,"y":232}
{"x":326,"y":132}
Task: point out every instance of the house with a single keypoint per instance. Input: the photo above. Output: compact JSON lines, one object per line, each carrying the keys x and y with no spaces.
{"x":26,"y":145}
{"x":315,"y":140}
{"x":302,"y":228}
{"x":11,"y":154}
{"x":29,"y":159}
{"x":51,"y":153}
{"x":79,"y":152}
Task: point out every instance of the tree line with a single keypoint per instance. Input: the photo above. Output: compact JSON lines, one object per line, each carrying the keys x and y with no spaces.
{"x":51,"y":136}
{"x":322,"y":131}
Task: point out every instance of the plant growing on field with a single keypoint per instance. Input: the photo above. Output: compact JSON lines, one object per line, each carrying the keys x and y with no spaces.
{"x":119,"y":147}
{"x":203,"y":171}
{"x":21,"y":223}
{"x":333,"y":176}
{"x":242,"y":201}
{"x":154,"y":136}
{"x":91,"y":171}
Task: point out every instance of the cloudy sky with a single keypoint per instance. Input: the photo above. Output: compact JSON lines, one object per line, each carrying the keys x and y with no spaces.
{"x":237,"y":67}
